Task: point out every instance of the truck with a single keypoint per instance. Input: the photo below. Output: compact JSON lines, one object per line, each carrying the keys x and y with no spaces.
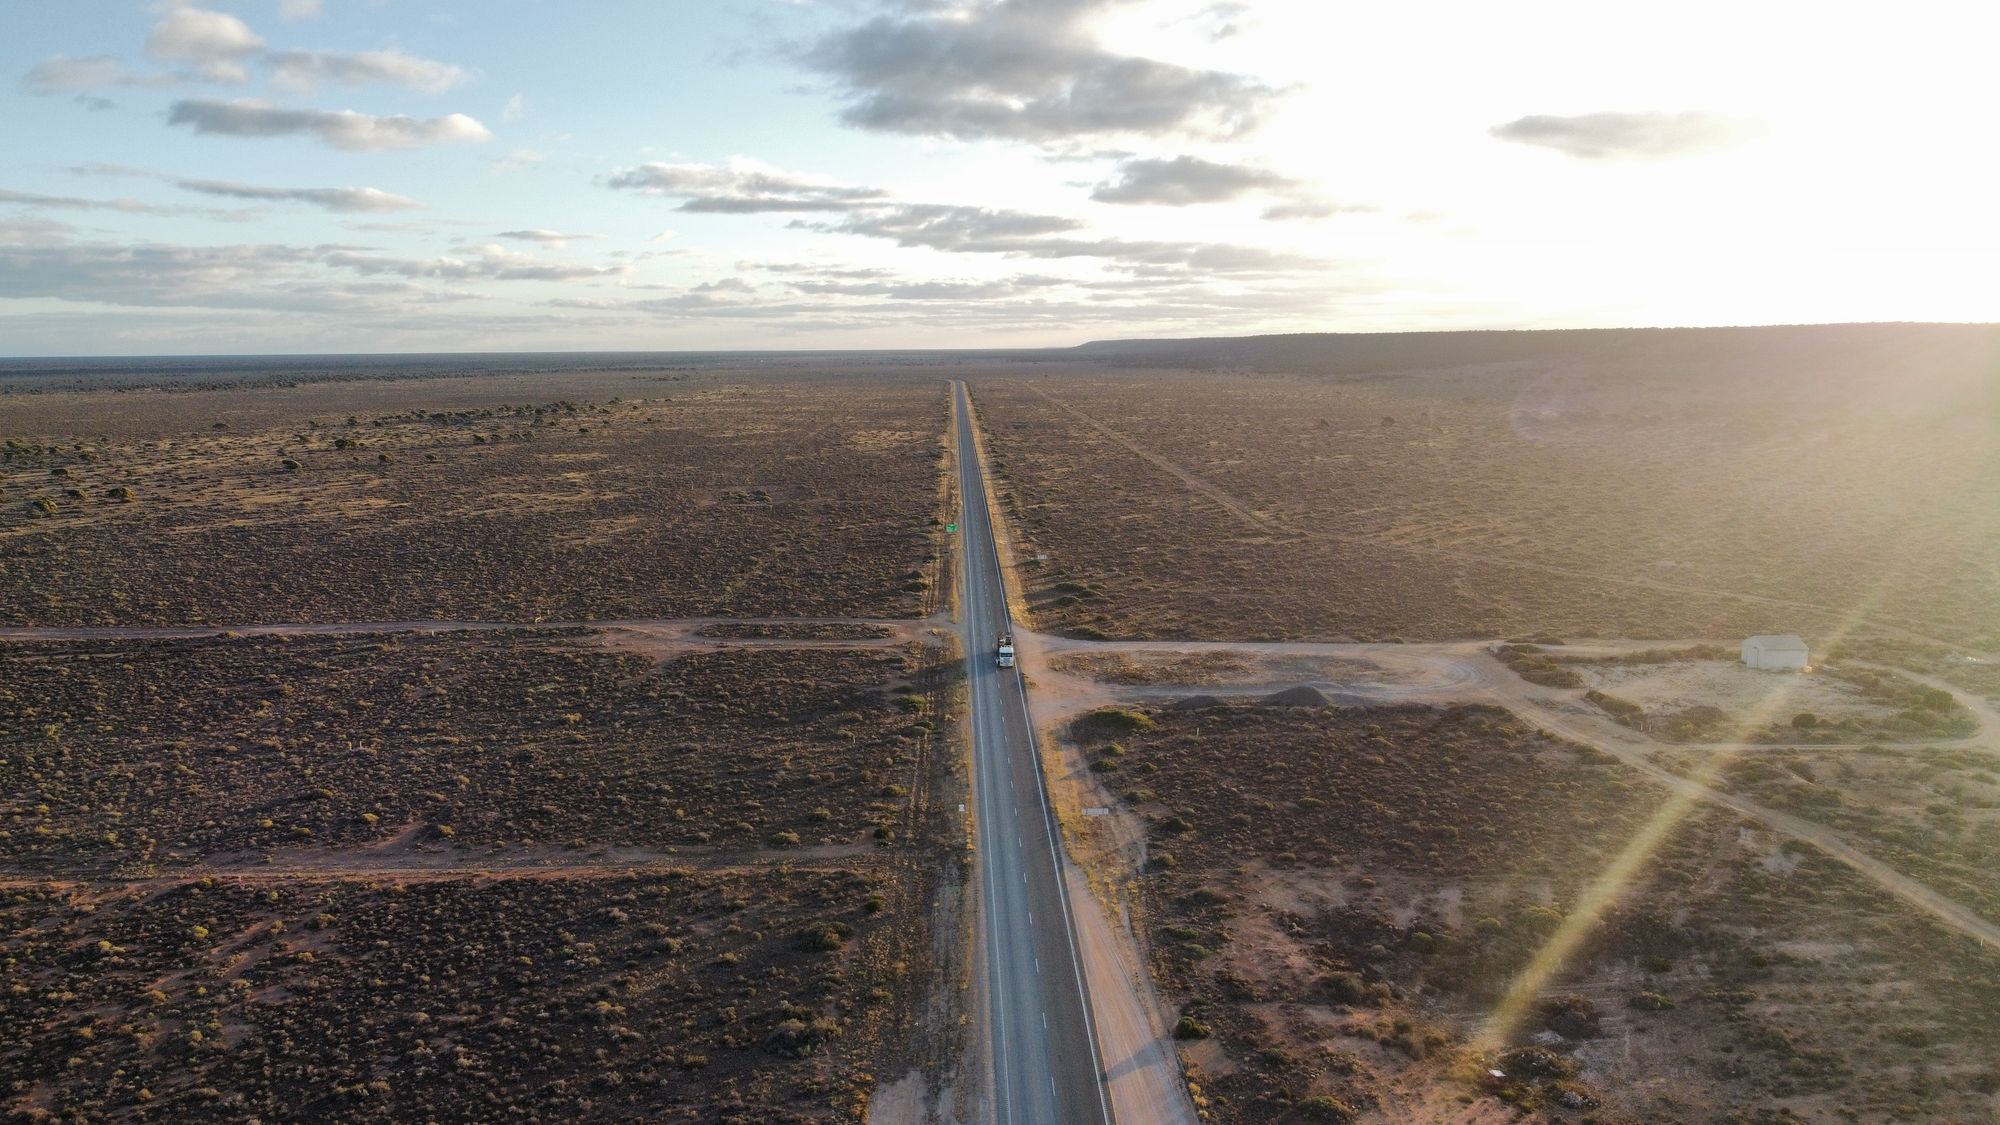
{"x":1006,"y":652}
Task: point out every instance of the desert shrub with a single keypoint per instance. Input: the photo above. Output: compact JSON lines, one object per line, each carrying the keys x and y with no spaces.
{"x":1624,"y":710}
{"x":795,"y":1038}
{"x":1909,"y":1036}
{"x":825,"y":937}
{"x":1121,"y":719}
{"x":1188,"y":1027}
{"x":1324,"y":1107}
{"x":1571,"y":1017}
{"x":1536,"y":1062}
{"x":1533,"y":665}
{"x":1349,"y":989}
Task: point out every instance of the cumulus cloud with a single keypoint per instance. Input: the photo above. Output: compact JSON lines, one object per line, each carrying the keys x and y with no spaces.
{"x":1597,"y":136}
{"x":218,"y":47}
{"x":214,"y":44}
{"x":343,"y":129}
{"x":1022,"y":69}
{"x":345,"y":199}
{"x":742,"y":187}
{"x":306,"y":70}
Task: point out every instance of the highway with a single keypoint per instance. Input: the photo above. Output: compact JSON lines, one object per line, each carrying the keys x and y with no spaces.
{"x":1040,"y":1034}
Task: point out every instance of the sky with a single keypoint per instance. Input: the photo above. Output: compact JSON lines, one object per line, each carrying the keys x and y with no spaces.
{"x":310,"y":176}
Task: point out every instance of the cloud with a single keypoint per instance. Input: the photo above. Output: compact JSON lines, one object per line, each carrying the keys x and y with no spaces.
{"x":906,"y":290}
{"x":298,"y":9}
{"x":213,"y":43}
{"x":1308,"y":208}
{"x":124,"y":206}
{"x":211,"y":276}
{"x":516,"y":160}
{"x":1225,"y":20}
{"x":1186,"y":180}
{"x":490,"y":262}
{"x":267,"y":277}
{"x":69,"y":202}
{"x":742,"y":187}
{"x":516,"y":106}
{"x":545,"y":237}
{"x":1024,"y":70}
{"x":306,"y":70}
{"x":344,"y":199}
{"x":1596,"y":136}
{"x":33,"y":231}
{"x":979,"y":230}
{"x":344,"y":129}
{"x":63,"y":75}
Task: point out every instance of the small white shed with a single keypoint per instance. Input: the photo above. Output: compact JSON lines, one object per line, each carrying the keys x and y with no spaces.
{"x":1775,"y":652}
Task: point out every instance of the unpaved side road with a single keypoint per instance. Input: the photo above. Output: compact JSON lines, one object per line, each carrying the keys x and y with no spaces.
{"x":1631,"y":749}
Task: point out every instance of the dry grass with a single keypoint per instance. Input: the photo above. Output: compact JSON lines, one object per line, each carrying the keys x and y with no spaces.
{"x":746,"y":499}
{"x":674,"y":997}
{"x":1337,"y":898}
{"x":1580,"y":490}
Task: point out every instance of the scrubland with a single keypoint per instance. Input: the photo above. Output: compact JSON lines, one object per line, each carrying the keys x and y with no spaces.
{"x":441,"y":862}
{"x":1335,"y":903}
{"x":596,"y":498}
{"x":1609,"y":484}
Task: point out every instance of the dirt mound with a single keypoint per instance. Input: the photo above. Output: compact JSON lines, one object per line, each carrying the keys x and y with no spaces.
{"x":1194,"y":703}
{"x":1301,"y":696}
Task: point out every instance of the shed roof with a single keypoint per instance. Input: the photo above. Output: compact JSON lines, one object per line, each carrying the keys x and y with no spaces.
{"x":1778,"y":642}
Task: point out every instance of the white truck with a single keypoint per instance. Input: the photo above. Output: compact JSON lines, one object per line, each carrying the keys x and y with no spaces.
{"x":1006,"y":653}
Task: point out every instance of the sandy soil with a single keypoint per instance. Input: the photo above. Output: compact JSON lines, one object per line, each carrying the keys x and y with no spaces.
{"x":1734,"y":687}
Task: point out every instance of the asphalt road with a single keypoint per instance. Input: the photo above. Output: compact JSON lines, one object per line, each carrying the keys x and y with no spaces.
{"x":1041,"y":1039}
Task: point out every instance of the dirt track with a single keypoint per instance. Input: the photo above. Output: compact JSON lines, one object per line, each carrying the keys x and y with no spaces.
{"x":899,"y":630}
{"x":1905,"y":628}
{"x":1466,"y":673}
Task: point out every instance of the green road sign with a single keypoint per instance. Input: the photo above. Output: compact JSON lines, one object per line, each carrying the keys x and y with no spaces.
{"x":951,"y":529}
